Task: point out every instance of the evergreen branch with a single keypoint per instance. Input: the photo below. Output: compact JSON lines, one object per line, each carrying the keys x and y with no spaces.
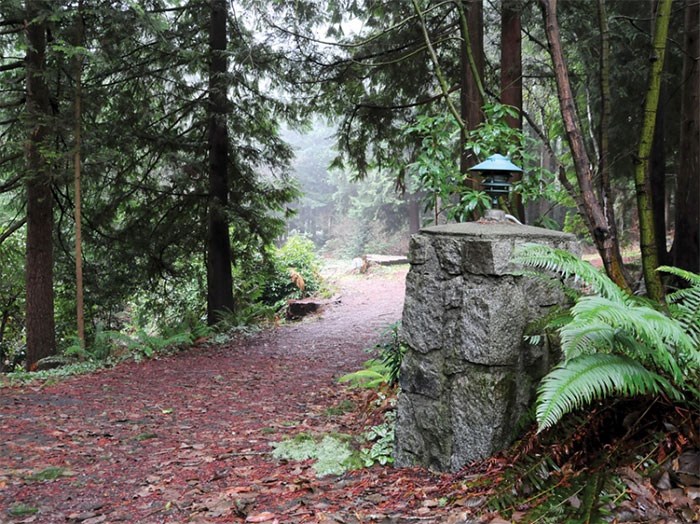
{"x":13,"y":182}
{"x":12,"y":228}
{"x":417,"y":103}
{"x":12,"y":66}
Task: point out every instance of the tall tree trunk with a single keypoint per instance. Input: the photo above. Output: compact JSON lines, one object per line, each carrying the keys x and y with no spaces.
{"x":647,"y":234}
{"x":657,"y":167}
{"x":413,"y":203}
{"x":686,"y":252}
{"x":78,"y":67}
{"x":603,"y":236}
{"x":512,"y":77}
{"x":657,"y":182}
{"x":219,"y":279}
{"x":472,"y":73}
{"x":40,"y":324}
{"x":606,"y":194}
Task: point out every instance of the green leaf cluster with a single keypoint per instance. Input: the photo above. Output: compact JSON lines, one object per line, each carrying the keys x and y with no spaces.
{"x":382,"y":438}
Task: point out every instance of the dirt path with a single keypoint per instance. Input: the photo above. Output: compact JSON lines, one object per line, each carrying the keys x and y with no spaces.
{"x":186,"y":438}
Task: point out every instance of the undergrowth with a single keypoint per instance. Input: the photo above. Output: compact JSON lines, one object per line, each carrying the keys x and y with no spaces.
{"x":580,"y":470}
{"x":383,"y":369}
{"x":334,"y":453}
{"x":107,"y":349}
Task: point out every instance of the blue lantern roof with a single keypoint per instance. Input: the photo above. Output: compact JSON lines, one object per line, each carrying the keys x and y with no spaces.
{"x":496,"y":163}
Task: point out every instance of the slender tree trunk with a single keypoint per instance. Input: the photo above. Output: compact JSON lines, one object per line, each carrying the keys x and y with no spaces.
{"x":512,"y":77}
{"x":686,"y":250}
{"x":413,"y":203}
{"x":79,"y":306}
{"x":472,"y":73}
{"x":657,"y":182}
{"x":657,"y":167}
{"x":219,"y":279}
{"x":606,"y":193}
{"x":647,"y":234}
{"x":40,"y":324}
{"x":603,"y":236}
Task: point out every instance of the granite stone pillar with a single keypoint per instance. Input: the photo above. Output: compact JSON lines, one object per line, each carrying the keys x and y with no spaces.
{"x":468,"y":376}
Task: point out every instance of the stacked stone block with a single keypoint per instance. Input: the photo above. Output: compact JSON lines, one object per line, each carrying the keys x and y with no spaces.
{"x":468,"y":375}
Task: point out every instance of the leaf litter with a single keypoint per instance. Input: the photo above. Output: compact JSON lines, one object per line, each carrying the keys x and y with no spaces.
{"x":189,"y":437}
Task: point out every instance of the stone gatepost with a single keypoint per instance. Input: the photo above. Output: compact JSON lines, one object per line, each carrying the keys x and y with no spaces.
{"x":468,"y":376}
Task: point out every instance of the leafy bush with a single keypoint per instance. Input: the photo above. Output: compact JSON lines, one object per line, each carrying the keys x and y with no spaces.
{"x":292,"y":271}
{"x":392,"y":351}
{"x":374,"y":375}
{"x":11,"y":301}
{"x":618,"y":344}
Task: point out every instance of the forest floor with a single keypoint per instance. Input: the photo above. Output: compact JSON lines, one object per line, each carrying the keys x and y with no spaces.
{"x":187,"y":437}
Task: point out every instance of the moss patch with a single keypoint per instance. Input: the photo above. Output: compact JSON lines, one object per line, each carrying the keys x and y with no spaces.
{"x":332,"y":454}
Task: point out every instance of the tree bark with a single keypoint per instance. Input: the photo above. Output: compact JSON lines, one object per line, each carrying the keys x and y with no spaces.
{"x":40,"y":323}
{"x":219,"y":278}
{"x":657,"y":182}
{"x":647,"y":233}
{"x":603,"y":236}
{"x":606,"y":194}
{"x":686,"y":252}
{"x":472,"y":73}
{"x":657,"y":168}
{"x":79,"y":298}
{"x":413,"y":203}
{"x":512,"y":77}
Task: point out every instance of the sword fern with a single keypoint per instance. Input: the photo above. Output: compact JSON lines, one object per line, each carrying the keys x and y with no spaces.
{"x":617,"y":344}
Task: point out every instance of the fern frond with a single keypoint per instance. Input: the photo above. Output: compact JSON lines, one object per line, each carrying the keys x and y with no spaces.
{"x":692,"y":278}
{"x":569,"y":266}
{"x":556,"y":318}
{"x":684,"y":304}
{"x":373,"y":376}
{"x":586,"y":336}
{"x":666,"y":340}
{"x":577,"y":382}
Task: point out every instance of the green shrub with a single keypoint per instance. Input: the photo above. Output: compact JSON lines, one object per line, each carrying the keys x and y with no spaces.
{"x":11,"y":301}
{"x":292,"y":271}
{"x":374,"y":375}
{"x":382,"y":438}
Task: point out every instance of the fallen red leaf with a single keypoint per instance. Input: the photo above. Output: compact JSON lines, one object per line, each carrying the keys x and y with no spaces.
{"x":265,"y":516}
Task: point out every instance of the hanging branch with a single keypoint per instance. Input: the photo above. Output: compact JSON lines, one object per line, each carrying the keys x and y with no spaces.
{"x":438,"y":70}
